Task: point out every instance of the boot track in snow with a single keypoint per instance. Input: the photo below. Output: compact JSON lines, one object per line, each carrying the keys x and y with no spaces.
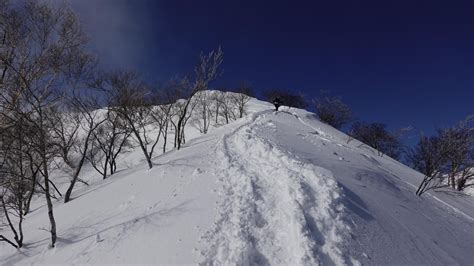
{"x":276,"y":209}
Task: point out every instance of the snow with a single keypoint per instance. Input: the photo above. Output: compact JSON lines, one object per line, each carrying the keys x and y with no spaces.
{"x":291,"y":207}
{"x":277,"y":188}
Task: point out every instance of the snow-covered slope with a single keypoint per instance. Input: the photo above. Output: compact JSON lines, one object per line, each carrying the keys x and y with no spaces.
{"x":271,"y":188}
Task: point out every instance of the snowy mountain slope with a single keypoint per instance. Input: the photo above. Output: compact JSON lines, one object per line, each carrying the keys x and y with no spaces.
{"x":271,"y":188}
{"x":389,"y":223}
{"x":277,"y":209}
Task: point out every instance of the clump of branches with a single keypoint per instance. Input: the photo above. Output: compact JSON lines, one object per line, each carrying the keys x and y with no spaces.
{"x":41,"y":56}
{"x":18,"y":177}
{"x":204,"y":111}
{"x":107,"y":143}
{"x":165,"y":110}
{"x":129,"y":99}
{"x":205,"y":72}
{"x":446,"y":159}
{"x":240,"y":99}
{"x":428,"y":157}
{"x":220,"y":106}
{"x":142,"y":111}
{"x":228,"y":112}
{"x":378,"y":137}
{"x":333,"y":111}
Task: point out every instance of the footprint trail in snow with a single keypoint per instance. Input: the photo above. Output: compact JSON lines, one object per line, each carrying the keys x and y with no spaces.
{"x":276,"y":209}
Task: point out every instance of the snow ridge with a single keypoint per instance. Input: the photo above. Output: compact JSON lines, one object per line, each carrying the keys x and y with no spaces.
{"x":276,"y":208}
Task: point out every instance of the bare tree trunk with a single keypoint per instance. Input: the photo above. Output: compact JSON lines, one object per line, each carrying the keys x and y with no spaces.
{"x":45,"y":166}
{"x":143,"y":148}
{"x":55,"y":188}
{"x":452,"y":182}
{"x":49,"y":202}
{"x":67,"y":196}
{"x":142,"y":144}
{"x":30,"y":195}
{"x":165,"y":137}
{"x":178,"y":132}
{"x":18,"y":238}
{"x":106,"y":163}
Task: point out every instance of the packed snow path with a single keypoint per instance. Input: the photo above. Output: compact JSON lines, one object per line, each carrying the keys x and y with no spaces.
{"x":277,"y":209}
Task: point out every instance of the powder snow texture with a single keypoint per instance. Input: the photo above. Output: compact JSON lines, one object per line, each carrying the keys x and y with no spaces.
{"x":272,"y":188}
{"x":278,"y":210}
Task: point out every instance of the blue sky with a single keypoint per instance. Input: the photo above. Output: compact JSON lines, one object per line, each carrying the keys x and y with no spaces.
{"x":398,"y":62}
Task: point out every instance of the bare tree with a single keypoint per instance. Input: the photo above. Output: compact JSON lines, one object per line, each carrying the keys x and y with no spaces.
{"x":458,"y":143}
{"x":130,"y":99}
{"x":12,"y":196}
{"x":228,"y":107}
{"x":108,"y":141}
{"x":448,"y":155}
{"x":16,"y":180}
{"x":204,"y":110}
{"x":331,"y":110}
{"x":65,"y":134}
{"x":428,"y":158}
{"x":166,"y":110}
{"x":39,"y":42}
{"x":9,"y":205}
{"x":183,"y":111}
{"x":77,"y":115}
{"x":376,"y":136}
{"x":217,"y":98}
{"x":241,"y":98}
{"x":206,"y":71}
{"x":90,"y":120}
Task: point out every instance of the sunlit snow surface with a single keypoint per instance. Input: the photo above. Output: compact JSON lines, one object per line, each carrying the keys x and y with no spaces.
{"x":276,"y":188}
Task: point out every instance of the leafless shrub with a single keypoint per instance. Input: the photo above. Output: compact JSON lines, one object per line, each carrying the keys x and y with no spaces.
{"x":448,"y":155}
{"x":217,"y":102}
{"x":204,"y":111}
{"x":229,"y":105}
{"x":228,"y":109}
{"x":459,"y":152}
{"x":108,"y":142}
{"x":428,"y":158}
{"x":331,"y":110}
{"x":18,"y":175}
{"x":240,"y":99}
{"x":376,"y":136}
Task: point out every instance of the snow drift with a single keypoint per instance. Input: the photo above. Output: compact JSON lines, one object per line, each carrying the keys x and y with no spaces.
{"x":270,"y":188}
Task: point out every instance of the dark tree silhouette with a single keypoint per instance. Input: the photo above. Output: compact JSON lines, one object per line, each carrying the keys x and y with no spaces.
{"x":331,"y":110}
{"x":287,"y":98}
{"x":376,"y":136}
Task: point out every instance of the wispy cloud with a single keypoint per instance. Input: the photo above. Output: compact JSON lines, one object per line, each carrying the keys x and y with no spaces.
{"x":118,"y":30}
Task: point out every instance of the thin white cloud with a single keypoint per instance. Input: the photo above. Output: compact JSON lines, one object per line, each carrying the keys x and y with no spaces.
{"x":116,"y":31}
